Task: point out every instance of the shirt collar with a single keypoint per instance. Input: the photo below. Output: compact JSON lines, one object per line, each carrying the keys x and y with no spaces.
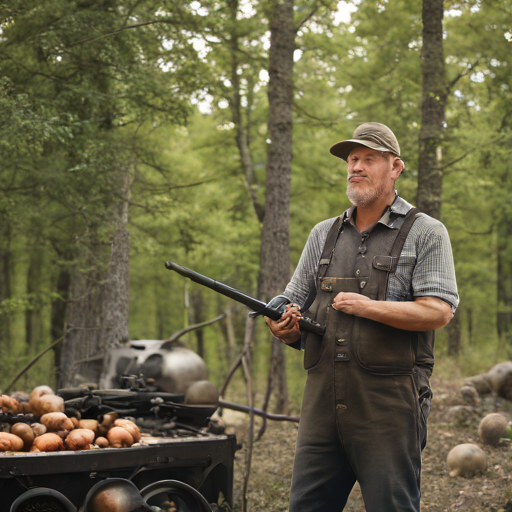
{"x":392,"y":217}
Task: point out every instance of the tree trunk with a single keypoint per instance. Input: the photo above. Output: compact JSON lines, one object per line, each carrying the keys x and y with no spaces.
{"x":198,"y":317}
{"x":82,"y":329}
{"x":97,"y":314}
{"x":455,"y":335}
{"x":33,"y":313}
{"x":58,"y":315}
{"x":504,"y":316}
{"x":275,"y":250}
{"x":433,"y":104}
{"x":116,"y":291}
{"x":5,"y":286}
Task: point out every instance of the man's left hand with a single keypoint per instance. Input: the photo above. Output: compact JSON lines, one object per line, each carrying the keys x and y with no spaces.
{"x":350,"y":303}
{"x":421,"y":314}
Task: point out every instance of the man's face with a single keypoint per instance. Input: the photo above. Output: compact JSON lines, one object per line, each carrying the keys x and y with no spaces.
{"x":371,"y":175}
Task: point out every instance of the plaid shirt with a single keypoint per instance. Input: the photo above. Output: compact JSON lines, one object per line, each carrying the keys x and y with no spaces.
{"x":425,"y":267}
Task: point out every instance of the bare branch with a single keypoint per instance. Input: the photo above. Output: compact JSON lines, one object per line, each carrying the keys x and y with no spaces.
{"x":258,"y":412}
{"x":305,"y":19}
{"x":470,"y":68}
{"x":122,"y":29}
{"x":179,"y":334}
{"x":327,"y":123}
{"x":34,"y":361}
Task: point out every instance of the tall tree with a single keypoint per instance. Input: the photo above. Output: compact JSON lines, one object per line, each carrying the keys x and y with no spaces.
{"x":275,"y":237}
{"x":433,"y":105}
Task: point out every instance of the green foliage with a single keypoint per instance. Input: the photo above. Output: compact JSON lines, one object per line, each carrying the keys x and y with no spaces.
{"x":93,"y":88}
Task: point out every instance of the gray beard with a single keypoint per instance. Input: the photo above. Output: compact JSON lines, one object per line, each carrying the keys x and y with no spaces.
{"x":364,"y":198}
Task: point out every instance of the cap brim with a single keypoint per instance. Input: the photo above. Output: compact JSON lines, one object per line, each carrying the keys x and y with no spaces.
{"x":344,"y":148}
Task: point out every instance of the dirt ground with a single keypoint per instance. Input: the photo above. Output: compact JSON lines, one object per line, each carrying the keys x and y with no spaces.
{"x":491,"y":491}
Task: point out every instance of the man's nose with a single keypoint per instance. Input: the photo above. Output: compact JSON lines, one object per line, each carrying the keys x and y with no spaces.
{"x":355,"y":167}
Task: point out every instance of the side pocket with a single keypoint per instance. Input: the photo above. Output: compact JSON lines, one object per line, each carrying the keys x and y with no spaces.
{"x":312,"y":350}
{"x":313,"y":342}
{"x":425,"y":404}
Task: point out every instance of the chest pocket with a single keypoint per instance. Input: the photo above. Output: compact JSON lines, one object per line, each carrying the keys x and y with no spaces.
{"x":382,"y":348}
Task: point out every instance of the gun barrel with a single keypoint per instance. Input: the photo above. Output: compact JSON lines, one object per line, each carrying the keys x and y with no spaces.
{"x":221,"y":288}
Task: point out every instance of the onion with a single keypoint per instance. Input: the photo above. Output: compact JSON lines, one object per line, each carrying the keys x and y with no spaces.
{"x":10,"y":442}
{"x":119,"y":437}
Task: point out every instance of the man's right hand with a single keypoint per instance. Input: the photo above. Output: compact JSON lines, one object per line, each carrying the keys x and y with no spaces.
{"x":287,"y":327}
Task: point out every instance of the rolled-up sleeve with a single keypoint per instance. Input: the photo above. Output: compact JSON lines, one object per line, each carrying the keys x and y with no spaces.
{"x":434,"y":272}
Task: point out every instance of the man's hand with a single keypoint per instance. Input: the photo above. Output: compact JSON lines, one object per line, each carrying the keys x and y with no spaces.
{"x":421,"y":314}
{"x":350,"y":303}
{"x":287,"y":327}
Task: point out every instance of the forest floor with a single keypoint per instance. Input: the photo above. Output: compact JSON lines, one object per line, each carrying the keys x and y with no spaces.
{"x":272,"y":461}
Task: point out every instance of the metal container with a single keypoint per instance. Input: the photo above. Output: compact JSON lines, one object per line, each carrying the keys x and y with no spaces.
{"x":172,"y":366}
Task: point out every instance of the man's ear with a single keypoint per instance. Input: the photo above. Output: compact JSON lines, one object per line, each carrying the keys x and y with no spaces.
{"x":398,"y":167}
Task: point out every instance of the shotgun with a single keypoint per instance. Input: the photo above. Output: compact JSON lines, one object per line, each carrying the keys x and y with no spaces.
{"x":274,"y":309}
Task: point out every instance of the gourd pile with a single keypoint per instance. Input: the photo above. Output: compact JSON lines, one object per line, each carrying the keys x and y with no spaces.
{"x":55,"y":431}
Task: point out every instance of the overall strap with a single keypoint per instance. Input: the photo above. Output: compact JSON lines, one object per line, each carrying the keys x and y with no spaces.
{"x":386,"y":264}
{"x":329,"y":246}
{"x":396,"y":250}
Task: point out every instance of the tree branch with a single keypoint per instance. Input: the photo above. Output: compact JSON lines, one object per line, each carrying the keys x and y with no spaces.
{"x":122,"y":29}
{"x":33,"y":362}
{"x":306,"y":19}
{"x":179,"y":334}
{"x":471,"y":67}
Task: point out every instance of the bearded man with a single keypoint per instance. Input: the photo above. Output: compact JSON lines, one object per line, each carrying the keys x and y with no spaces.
{"x":380,"y":277}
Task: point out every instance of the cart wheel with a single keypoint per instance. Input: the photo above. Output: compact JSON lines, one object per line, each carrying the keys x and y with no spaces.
{"x":114,"y":495}
{"x":42,"y":498}
{"x":175,"y":496}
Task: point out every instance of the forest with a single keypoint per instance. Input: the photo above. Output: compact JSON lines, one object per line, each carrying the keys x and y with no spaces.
{"x":136,"y":132}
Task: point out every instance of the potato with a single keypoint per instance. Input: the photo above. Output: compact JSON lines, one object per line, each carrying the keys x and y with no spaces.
{"x":119,"y":437}
{"x":89,"y":424}
{"x":46,"y":404}
{"x":10,"y":442}
{"x":132,"y":428}
{"x":102,"y":442}
{"x":80,"y":439}
{"x":47,"y":443}
{"x":107,"y":423}
{"x":8,"y":404}
{"x":24,"y":432}
{"x":38,"y":429}
{"x":57,"y":422}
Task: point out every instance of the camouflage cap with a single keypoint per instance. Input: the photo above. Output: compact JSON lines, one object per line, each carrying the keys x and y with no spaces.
{"x":375,"y":136}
